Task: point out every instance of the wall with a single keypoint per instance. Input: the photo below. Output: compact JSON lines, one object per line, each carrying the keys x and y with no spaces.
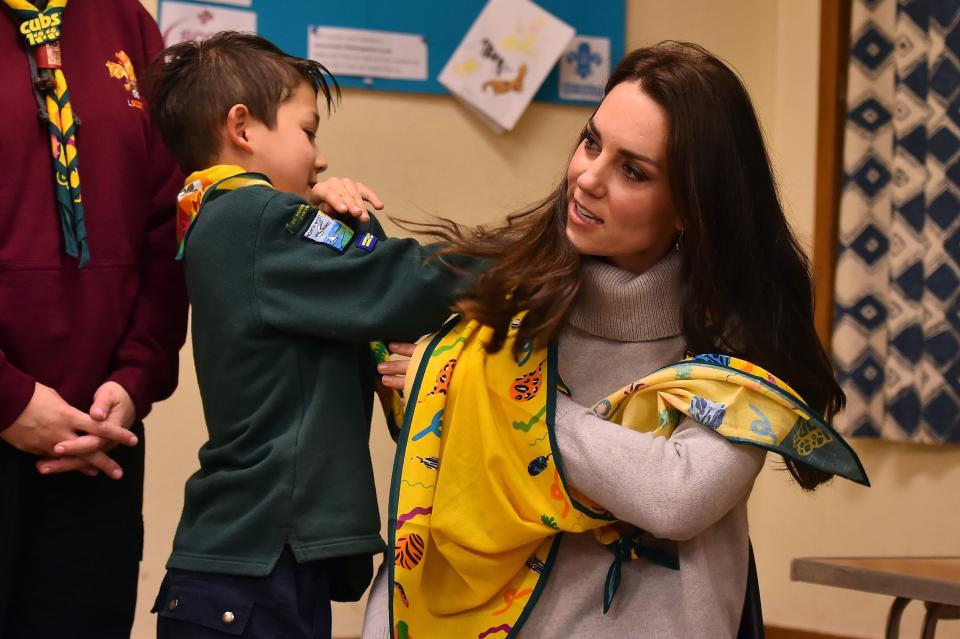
{"x":908,"y":510}
{"x":426,"y":154}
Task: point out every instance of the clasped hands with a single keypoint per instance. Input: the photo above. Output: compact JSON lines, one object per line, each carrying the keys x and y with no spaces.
{"x":67,"y":439}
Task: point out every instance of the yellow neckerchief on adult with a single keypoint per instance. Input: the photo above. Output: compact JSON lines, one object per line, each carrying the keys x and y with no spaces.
{"x":41,"y":34}
{"x":479,"y":495}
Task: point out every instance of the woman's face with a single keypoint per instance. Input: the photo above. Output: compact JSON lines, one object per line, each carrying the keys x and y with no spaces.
{"x":620,"y":205}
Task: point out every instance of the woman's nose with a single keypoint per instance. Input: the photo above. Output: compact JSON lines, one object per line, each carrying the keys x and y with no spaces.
{"x":591,"y":180}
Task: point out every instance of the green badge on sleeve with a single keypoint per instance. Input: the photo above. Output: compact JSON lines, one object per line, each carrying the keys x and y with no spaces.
{"x":296,"y":221}
{"x":326,"y":230}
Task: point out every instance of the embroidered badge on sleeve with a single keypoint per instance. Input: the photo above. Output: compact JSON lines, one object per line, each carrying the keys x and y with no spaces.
{"x":296,"y":220}
{"x":326,"y":230}
{"x":367,"y":242}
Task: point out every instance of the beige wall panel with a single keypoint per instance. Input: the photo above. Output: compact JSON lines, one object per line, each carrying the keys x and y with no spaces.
{"x":427,"y":155}
{"x":912,"y":507}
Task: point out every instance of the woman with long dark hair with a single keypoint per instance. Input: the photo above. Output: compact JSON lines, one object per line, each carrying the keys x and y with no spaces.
{"x":665,"y":238}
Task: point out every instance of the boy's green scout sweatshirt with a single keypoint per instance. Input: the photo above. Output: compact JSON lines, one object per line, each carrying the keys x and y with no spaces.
{"x":281,"y":326}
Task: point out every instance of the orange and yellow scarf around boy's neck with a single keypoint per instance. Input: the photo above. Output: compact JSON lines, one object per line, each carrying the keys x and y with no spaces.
{"x":195,"y":187}
{"x":41,"y":30}
{"x":479,"y":498}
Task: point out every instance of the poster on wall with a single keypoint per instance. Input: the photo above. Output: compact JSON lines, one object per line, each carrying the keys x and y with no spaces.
{"x":504,"y":58}
{"x":183,"y":21}
{"x":368,"y":53}
{"x":584,"y":69}
{"x":438,"y":27}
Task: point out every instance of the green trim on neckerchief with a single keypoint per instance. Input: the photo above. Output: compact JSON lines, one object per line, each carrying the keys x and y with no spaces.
{"x":41,"y":32}
{"x":475,"y":513}
{"x":629,"y":549}
{"x":395,"y":478}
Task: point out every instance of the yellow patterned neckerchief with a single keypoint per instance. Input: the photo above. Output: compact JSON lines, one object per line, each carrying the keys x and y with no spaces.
{"x":41,"y":34}
{"x":479,"y":495}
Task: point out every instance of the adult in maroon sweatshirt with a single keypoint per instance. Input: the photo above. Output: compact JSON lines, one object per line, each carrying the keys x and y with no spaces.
{"x":81,"y":346}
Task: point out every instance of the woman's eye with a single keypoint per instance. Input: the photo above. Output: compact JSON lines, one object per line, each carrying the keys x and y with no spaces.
{"x":588,"y":142}
{"x":634,"y":174}
{"x":310,"y":135}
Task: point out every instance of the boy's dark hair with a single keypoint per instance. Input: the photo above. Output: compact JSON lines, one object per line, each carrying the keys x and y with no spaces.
{"x":192,"y":85}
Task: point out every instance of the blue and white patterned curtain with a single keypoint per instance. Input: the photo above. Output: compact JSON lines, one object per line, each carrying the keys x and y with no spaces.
{"x":896,"y":339}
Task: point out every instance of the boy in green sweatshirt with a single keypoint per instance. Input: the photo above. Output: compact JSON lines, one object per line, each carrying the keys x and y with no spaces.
{"x":282,"y":516}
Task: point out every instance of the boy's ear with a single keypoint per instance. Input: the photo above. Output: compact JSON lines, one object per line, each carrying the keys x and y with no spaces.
{"x":238,"y":123}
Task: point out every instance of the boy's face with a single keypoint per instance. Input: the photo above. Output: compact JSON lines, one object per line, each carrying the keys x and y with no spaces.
{"x":287,"y":153}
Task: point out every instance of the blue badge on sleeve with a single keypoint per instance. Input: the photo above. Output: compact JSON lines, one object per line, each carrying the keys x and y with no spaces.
{"x":367,"y":242}
{"x":326,"y":230}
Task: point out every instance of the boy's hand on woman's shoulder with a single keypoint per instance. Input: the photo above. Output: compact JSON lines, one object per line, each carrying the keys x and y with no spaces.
{"x":343,"y":196}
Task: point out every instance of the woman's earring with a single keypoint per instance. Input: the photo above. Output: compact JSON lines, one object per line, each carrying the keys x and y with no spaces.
{"x":676,"y":246}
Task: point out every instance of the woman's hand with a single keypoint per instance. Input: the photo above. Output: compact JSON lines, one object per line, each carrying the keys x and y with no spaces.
{"x":343,"y":196}
{"x":394,"y":371}
{"x":390,"y":385}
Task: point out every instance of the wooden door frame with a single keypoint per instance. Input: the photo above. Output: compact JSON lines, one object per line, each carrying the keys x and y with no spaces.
{"x":831,"y":116}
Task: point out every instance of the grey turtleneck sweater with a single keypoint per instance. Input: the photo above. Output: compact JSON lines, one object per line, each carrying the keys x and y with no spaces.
{"x":689,"y":492}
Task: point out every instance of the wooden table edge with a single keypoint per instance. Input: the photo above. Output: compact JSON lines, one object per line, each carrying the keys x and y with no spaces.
{"x":815,"y":570}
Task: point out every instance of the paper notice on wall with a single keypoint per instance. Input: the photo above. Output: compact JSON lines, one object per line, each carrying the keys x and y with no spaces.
{"x":183,"y":21}
{"x":504,"y":58}
{"x":584,"y":69}
{"x":367,"y":53}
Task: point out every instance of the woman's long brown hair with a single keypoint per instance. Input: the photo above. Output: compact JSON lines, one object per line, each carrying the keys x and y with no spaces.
{"x":533,"y":268}
{"x":747,"y":285}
